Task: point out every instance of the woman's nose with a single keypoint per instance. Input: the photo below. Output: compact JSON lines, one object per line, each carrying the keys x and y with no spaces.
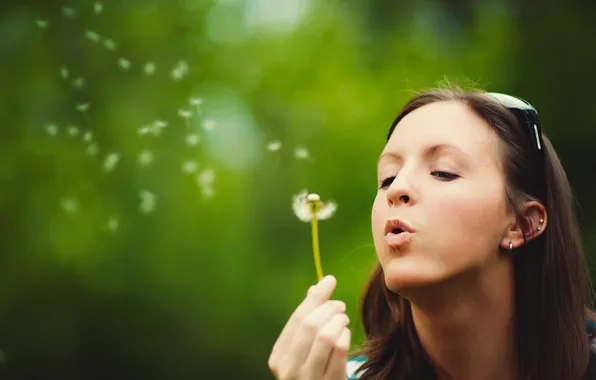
{"x":400,"y":192}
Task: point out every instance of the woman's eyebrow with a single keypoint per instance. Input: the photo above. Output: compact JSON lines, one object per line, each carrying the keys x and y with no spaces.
{"x":433,"y":151}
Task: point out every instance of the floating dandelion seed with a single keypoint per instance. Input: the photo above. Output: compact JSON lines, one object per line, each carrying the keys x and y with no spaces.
{"x":68,"y":12}
{"x":93,"y":36}
{"x":206,"y":178}
{"x":52,"y":129}
{"x":274,"y":146}
{"x":124,"y":63}
{"x":186,"y":115}
{"x":64,"y":72}
{"x":109,"y":44}
{"x":190,"y":166}
{"x":309,"y":208}
{"x":98,"y":7}
{"x":83,"y":107}
{"x":207,"y":192}
{"x":69,"y":205}
{"x":196,"y":101}
{"x":145,"y":158}
{"x":301,"y":153}
{"x":73,"y":130}
{"x":113,"y":223}
{"x":110,"y":162}
{"x":88,"y":136}
{"x":78,"y":82}
{"x":42,"y":23}
{"x":92,"y":149}
{"x":149,"y":68}
{"x":209,"y":124}
{"x":179,"y":71}
{"x":148,"y":202}
{"x":192,"y":139}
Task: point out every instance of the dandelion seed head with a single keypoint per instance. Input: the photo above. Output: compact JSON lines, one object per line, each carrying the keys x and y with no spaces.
{"x":111,"y":161}
{"x":92,"y":149}
{"x":109,"y":44}
{"x":64,"y":72}
{"x":113,"y":223}
{"x":145,"y":158}
{"x":88,"y":136}
{"x":148,"y":201}
{"x":52,"y":129}
{"x":42,"y":23}
{"x":209,"y":124}
{"x":68,"y":12}
{"x":78,"y":82}
{"x":190,"y":166}
{"x":69,"y":205}
{"x":149,"y":68}
{"x":302,"y":208}
{"x":124,"y":63}
{"x":92,"y":36}
{"x":83,"y":107}
{"x":301,"y":153}
{"x":186,"y":114}
{"x":274,"y":146}
{"x":73,"y":130}
{"x":179,"y":71}
{"x":192,"y":139}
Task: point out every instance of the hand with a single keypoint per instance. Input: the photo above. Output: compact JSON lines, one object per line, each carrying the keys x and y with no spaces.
{"x":315,"y":341}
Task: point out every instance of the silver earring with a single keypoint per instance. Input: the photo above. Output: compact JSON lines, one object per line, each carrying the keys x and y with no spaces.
{"x":510,"y":246}
{"x":539,"y":228}
{"x":541,"y":220}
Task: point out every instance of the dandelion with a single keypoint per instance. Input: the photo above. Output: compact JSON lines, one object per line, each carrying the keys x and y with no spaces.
{"x":64,"y":72}
{"x":68,"y":12}
{"x":274,"y":146}
{"x":148,"y":201}
{"x":192,"y":139}
{"x":309,"y":208}
{"x":92,"y":149}
{"x":179,"y":71}
{"x":149,"y":68}
{"x":113,"y":223}
{"x":124,"y":63}
{"x":78,"y":82}
{"x":42,"y":24}
{"x":190,"y":166}
{"x":69,"y":205}
{"x":83,"y":107}
{"x":73,"y":130}
{"x":145,"y":158}
{"x":52,"y":129}
{"x":301,"y":153}
{"x":110,"y":162}
{"x":109,"y":44}
{"x":88,"y":136}
{"x":92,"y":36}
{"x":98,"y":7}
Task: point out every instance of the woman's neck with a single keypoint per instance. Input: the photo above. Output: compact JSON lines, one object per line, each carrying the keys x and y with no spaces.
{"x":467,"y":326}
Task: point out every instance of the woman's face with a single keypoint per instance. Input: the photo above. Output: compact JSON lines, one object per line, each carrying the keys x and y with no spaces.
{"x":439,"y":174}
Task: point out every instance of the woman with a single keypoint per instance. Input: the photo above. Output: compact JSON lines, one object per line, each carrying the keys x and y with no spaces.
{"x":480,"y":269}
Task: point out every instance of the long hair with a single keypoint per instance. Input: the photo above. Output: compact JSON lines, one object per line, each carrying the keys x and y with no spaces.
{"x":551,"y":278}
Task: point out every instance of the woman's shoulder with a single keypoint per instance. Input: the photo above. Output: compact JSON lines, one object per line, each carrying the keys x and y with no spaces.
{"x":353,"y":366}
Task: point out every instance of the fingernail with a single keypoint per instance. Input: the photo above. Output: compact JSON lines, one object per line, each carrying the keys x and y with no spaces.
{"x":326,"y":281}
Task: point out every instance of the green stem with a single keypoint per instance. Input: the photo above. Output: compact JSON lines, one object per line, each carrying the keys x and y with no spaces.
{"x":315,"y":248}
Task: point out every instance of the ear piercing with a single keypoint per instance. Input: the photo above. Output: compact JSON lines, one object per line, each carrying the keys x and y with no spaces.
{"x":510,"y":246}
{"x":541,"y":221}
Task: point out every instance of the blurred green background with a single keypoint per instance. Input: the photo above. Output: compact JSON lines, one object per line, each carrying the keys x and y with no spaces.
{"x":150,"y":150}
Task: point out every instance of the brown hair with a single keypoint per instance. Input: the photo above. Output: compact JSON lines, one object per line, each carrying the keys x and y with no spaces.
{"x":551,"y":279}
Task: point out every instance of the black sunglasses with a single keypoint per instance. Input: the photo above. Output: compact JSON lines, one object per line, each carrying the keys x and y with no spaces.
{"x":527,"y":118}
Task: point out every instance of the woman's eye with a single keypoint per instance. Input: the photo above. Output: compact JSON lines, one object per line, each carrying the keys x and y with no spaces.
{"x":386,"y":182}
{"x":444,"y":176}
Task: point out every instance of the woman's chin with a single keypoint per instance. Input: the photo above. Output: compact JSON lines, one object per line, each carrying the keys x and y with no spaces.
{"x":409,"y":272}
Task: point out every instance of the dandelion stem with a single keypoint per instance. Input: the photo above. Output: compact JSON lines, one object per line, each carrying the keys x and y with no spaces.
{"x":315,"y":241}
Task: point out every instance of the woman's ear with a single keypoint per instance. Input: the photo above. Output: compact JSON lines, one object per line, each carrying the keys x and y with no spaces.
{"x":529,"y":226}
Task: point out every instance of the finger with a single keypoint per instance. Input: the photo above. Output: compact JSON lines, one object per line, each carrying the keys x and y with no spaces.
{"x":336,"y":368}
{"x":316,"y":296}
{"x":296,"y":355}
{"x":323,"y":346}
